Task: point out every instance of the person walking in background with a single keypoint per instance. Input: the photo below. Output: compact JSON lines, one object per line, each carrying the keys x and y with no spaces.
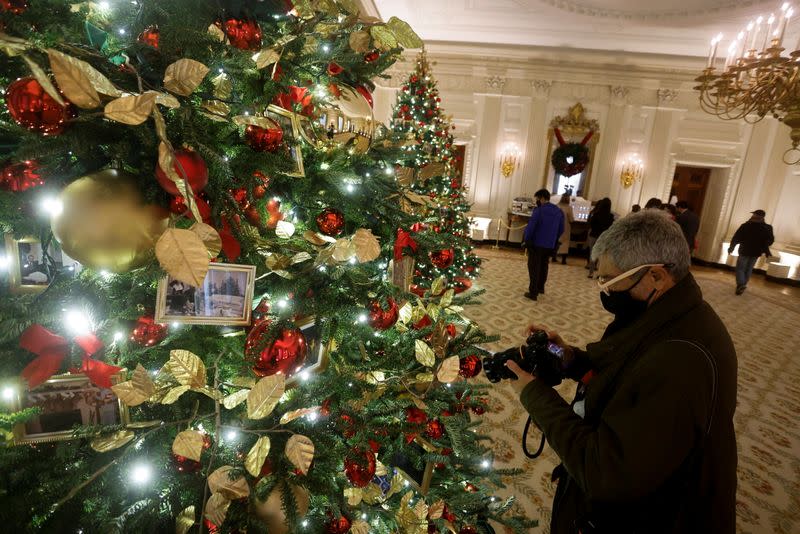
{"x":636,"y":208}
{"x":540,"y":238}
{"x":689,"y":223}
{"x":569,"y":218}
{"x":754,"y":238}
{"x":654,"y":204}
{"x":600,"y":220}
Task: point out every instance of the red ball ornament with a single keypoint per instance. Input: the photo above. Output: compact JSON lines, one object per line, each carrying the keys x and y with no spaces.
{"x":252,"y":215}
{"x":284,"y":354}
{"x":177,"y":205}
{"x":20,"y":176}
{"x":380,"y":318}
{"x":461,"y":284}
{"x":185,"y":465}
{"x":416,"y":416}
{"x":363,"y":91}
{"x":340,"y":525}
{"x":264,"y":139}
{"x":240,"y":196}
{"x":369,"y":57}
{"x":334,"y":68}
{"x":434,"y":429}
{"x":150,"y":36}
{"x":192,"y":166}
{"x":443,"y":258}
{"x":32,"y":108}
{"x":15,"y":7}
{"x":470,"y":366}
{"x":147,"y":332}
{"x":274,"y":210}
{"x":472,"y":488}
{"x":330,"y":222}
{"x":243,"y":34}
{"x":359,"y":466}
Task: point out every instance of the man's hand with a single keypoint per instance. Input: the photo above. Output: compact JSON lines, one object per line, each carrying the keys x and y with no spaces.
{"x":555,"y":338}
{"x":523,"y":378}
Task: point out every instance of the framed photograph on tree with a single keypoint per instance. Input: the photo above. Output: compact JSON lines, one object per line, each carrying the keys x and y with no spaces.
{"x":317,"y":356}
{"x":225,"y":298}
{"x":67,"y":401}
{"x":290,"y":126}
{"x":30,"y":267}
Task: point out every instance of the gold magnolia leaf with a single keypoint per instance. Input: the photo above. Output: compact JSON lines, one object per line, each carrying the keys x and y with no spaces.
{"x":405,"y":313}
{"x":220,"y":482}
{"x":433,"y":310}
{"x":217,"y":508}
{"x":436,"y":510}
{"x":359,"y":42}
{"x":440,"y":339}
{"x":266,"y":57}
{"x":424,"y":378}
{"x":211,"y":393}
{"x":288,"y":417}
{"x":187,"y":368}
{"x":72,"y":79}
{"x":113,"y":441}
{"x":223,"y":86}
{"x":189,"y":444}
{"x":405,"y":176}
{"x":278,"y":262}
{"x":143,"y":424}
{"x":436,"y":168}
{"x":244,"y":381}
{"x":300,"y":451}
{"x":353,"y":496}
{"x":366,"y":245}
{"x":174,"y":394}
{"x":183,"y":255}
{"x":421,"y":510}
{"x":12,"y":46}
{"x":235,"y":399}
{"x":406,"y":37}
{"x":253,"y":120}
{"x":300,"y":257}
{"x":217,"y":33}
{"x":397,"y":485}
{"x":447,"y":298}
{"x":350,"y":6}
{"x":284,"y":229}
{"x":424,"y":353}
{"x":359,"y":527}
{"x":255,"y":458}
{"x":314,"y":238}
{"x":438,"y":286}
{"x":263,"y":398}
{"x":372,"y":494}
{"x":142,"y":381}
{"x":380,"y":469}
{"x":448,"y":371}
{"x":44,"y":80}
{"x":132,"y":110}
{"x":185,"y":520}
{"x":343,"y":250}
{"x":128,"y":393}
{"x":210,"y":237}
{"x":384,"y":38}
{"x":166,"y":100}
{"x":184,"y":76}
{"x":216,"y":110}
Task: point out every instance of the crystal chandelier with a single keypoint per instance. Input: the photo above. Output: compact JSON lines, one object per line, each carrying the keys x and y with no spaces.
{"x":756,"y":79}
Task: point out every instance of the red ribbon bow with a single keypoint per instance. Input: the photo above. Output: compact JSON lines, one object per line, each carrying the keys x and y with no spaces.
{"x":52,"y":349}
{"x":296,"y":95}
{"x":404,"y":240}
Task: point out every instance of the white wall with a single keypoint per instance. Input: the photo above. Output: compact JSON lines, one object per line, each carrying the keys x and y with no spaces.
{"x":645,"y":105}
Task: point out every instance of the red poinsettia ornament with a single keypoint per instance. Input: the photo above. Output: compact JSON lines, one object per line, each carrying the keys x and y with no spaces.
{"x":470,"y":366}
{"x":244,"y":34}
{"x":150,"y":36}
{"x":330,"y":222}
{"x":443,"y":258}
{"x":359,"y":466}
{"x":383,"y":318}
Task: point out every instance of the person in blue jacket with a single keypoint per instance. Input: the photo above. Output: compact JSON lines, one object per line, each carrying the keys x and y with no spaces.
{"x":541,"y":238}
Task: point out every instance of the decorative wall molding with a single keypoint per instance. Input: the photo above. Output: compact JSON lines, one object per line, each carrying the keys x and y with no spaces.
{"x":496,"y":82}
{"x":619,"y":95}
{"x":666,"y":96}
{"x":541,"y":89}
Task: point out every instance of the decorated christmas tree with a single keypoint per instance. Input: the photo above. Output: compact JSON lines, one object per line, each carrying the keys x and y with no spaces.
{"x":433,"y":169}
{"x":199,"y":330}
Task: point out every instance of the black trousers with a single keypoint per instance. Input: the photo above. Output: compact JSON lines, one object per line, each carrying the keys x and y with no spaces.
{"x":538,"y":266}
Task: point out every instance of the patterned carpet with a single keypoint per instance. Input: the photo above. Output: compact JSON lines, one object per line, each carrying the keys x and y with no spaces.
{"x":764,"y":327}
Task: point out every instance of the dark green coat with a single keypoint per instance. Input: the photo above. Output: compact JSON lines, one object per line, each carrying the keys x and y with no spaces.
{"x":656,"y":451}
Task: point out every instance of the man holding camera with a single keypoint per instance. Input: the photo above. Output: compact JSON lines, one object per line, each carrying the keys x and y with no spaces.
{"x":648,"y":445}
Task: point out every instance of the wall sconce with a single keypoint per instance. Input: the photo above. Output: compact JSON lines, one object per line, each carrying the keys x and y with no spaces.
{"x":509,"y":157}
{"x":632,"y":170}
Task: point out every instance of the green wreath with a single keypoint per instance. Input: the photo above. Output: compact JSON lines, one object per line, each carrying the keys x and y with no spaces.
{"x":578,"y":153}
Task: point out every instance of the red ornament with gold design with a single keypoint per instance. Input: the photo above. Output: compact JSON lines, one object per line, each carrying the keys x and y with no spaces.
{"x":434,"y":429}
{"x":284,"y":353}
{"x":32,"y":108}
{"x":188,"y":164}
{"x":20,"y":176}
{"x":243,"y":33}
{"x":337,"y":525}
{"x":150,"y":36}
{"x":470,"y":366}
{"x":264,"y":139}
{"x":359,"y":466}
{"x":383,"y":318}
{"x":330,"y":222}
{"x":147,"y":332}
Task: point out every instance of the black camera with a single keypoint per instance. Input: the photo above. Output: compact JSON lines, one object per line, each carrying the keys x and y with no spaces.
{"x":538,"y":357}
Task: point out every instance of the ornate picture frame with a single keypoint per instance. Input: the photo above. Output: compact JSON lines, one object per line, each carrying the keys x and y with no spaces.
{"x":27,"y":267}
{"x":67,"y":400}
{"x":225,"y":298}
{"x":290,"y":124}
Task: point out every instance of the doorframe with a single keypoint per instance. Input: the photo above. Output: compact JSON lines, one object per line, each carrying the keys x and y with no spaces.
{"x":711,"y":251}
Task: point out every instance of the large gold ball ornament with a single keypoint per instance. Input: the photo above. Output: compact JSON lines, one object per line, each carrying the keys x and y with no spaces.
{"x":346,"y":122}
{"x":105,"y":225}
{"x":271,"y":511}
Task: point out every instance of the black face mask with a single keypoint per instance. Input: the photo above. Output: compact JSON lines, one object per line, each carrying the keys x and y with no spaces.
{"x":625,"y":308}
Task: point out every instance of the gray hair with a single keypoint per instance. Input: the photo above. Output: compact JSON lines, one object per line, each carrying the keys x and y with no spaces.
{"x":648,"y":236}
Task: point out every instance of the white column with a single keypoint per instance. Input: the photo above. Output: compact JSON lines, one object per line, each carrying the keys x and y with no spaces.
{"x":605,"y":178}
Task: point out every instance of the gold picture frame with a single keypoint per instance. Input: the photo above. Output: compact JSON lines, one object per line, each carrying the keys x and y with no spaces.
{"x":420,"y":480}
{"x":290,"y":124}
{"x":318,"y":352}
{"x":573,"y":126}
{"x":85,"y":404}
{"x":25,"y":257}
{"x":221,"y":300}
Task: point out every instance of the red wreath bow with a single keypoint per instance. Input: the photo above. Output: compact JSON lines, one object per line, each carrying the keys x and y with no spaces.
{"x":52,"y":349}
{"x":561,"y":141}
{"x":296,"y":96}
{"x":404,"y":240}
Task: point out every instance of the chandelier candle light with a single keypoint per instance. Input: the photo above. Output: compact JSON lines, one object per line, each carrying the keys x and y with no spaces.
{"x":632,"y":170}
{"x":756,"y":80}
{"x":509,"y":158}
